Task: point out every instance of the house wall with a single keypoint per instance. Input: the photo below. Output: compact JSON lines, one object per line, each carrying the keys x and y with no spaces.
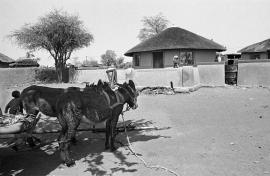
{"x":4,"y":64}
{"x":246,"y":56}
{"x":146,"y":58}
{"x":204,"y":56}
{"x":168,"y":57}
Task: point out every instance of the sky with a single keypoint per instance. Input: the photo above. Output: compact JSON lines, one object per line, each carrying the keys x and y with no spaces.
{"x":115,"y":24}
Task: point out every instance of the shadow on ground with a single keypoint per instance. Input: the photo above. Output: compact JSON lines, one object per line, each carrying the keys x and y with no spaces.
{"x":89,"y":149}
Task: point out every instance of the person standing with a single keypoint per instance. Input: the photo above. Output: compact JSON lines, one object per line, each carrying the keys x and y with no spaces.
{"x":129,"y":73}
{"x":175,"y":61}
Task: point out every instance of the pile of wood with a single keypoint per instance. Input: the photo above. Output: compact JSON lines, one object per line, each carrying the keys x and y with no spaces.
{"x":157,"y":90}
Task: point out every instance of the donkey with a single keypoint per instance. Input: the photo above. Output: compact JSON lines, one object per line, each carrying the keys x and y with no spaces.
{"x":42,"y":99}
{"x":93,"y":105}
{"x":37,"y":99}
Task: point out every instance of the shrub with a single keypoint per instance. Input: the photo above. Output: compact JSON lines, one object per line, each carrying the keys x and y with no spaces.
{"x":46,"y":74}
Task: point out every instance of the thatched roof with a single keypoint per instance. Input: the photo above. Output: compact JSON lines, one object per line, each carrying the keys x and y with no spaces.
{"x":6,"y":59}
{"x":175,"y":38}
{"x":263,"y":46}
{"x":24,"y":62}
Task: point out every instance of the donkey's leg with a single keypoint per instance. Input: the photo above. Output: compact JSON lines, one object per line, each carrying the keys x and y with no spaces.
{"x":31,"y":139}
{"x":62,"y":137}
{"x":72,"y":117}
{"x":113,"y":132}
{"x":64,"y":146}
{"x":68,"y":131}
{"x":108,"y":134}
{"x":70,"y":135}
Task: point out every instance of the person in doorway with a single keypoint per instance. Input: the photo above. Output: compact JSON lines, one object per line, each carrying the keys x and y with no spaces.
{"x":175,"y":61}
{"x":15,"y":106}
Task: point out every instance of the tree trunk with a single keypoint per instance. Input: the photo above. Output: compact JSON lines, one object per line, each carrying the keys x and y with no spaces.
{"x":59,"y":72}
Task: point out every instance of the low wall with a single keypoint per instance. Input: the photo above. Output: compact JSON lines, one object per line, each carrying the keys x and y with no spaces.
{"x":16,"y":76}
{"x":12,"y":79}
{"x":212,"y":75}
{"x":158,"y":77}
{"x":93,"y":76}
{"x":254,"y":73}
{"x":143,"y":77}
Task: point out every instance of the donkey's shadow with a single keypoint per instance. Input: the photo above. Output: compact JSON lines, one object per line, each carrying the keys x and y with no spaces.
{"x":89,"y":149}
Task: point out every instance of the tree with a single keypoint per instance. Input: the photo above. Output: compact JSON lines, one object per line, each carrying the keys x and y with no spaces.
{"x":90,"y":63}
{"x":75,"y":61}
{"x":59,"y":33}
{"x":109,"y":58}
{"x":30,"y":55}
{"x":120,"y":62}
{"x":152,"y":25}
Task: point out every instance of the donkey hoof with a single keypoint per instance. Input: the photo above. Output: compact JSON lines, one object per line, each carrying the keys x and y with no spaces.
{"x":70,"y":163}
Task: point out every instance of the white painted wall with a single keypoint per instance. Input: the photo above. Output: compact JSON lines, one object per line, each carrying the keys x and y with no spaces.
{"x":186,"y":76}
{"x":254,"y":74}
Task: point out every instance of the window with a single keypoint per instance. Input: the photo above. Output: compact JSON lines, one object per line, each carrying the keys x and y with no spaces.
{"x":186,"y":58}
{"x":254,"y":56}
{"x":136,"y":60}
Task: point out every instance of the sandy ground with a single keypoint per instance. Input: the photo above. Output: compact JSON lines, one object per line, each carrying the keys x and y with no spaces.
{"x":213,"y":131}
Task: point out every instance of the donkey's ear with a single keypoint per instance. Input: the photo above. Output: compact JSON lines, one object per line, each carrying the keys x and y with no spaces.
{"x":131,"y":83}
{"x":100,"y":83}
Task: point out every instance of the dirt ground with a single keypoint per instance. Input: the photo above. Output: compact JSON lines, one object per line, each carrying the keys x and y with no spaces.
{"x":213,"y":131}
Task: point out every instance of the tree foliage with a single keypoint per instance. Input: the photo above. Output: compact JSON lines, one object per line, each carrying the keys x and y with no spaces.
{"x":90,"y":63}
{"x":152,"y":25}
{"x":109,"y":58}
{"x":59,"y":33}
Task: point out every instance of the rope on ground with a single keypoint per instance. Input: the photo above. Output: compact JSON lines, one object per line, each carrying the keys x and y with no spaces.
{"x":140,"y":158}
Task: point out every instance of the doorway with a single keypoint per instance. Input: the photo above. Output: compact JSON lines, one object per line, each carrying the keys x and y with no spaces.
{"x":158,"y":60}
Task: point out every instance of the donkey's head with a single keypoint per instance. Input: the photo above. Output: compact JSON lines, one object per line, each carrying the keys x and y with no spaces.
{"x":130,"y":94}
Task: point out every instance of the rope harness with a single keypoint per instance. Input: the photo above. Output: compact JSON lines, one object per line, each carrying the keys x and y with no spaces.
{"x":140,"y":158}
{"x":119,"y":99}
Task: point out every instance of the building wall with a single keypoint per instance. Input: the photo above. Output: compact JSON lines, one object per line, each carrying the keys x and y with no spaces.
{"x":146,"y":58}
{"x":4,"y":64}
{"x":168,"y":57}
{"x":246,"y":56}
{"x":204,"y":56}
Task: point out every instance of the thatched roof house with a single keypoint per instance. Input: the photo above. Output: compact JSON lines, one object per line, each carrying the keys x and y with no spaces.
{"x":5,"y":61}
{"x":159,"y":51}
{"x":260,"y":50}
{"x":24,"y":62}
